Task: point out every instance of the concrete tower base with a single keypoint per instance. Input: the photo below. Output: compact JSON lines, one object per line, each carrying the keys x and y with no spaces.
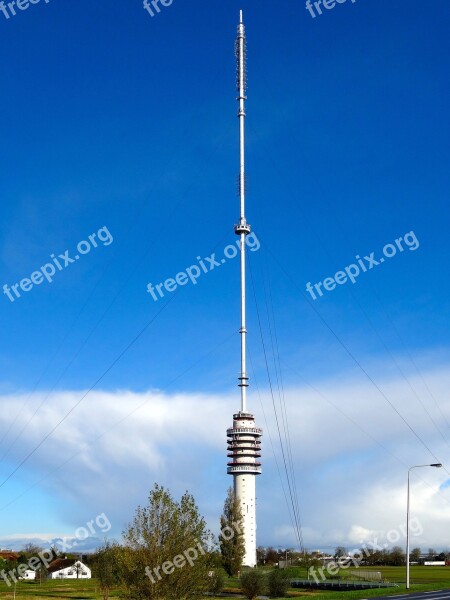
{"x":244,"y":447}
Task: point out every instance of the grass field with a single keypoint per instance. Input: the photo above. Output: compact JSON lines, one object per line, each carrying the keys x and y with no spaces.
{"x":418,"y":574}
{"x":78,"y":590}
{"x":422,"y":579}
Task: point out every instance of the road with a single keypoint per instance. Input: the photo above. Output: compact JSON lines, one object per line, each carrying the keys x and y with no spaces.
{"x":435,"y":595}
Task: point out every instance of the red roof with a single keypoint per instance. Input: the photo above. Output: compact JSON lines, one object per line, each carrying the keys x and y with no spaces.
{"x":61,"y":563}
{"x":8,"y":555}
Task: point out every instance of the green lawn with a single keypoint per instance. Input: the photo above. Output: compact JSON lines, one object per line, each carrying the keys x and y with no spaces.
{"x":362,"y":594}
{"x":87,"y":589}
{"x":417,"y":575}
{"x":422,"y":579}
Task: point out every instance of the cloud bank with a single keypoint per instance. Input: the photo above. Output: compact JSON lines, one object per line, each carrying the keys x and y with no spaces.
{"x":350,"y":452}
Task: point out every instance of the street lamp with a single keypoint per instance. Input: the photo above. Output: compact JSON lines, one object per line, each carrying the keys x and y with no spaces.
{"x":437,"y":466}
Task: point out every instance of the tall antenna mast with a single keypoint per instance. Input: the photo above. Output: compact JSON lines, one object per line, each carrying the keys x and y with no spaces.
{"x":244,"y":438}
{"x":243,"y":229}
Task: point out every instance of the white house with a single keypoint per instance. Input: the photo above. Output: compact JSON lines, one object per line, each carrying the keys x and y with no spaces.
{"x":29,"y":574}
{"x":68,"y":568}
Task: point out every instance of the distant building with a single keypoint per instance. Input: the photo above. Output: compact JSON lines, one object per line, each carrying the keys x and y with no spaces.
{"x":68,"y":568}
{"x":29,"y":574}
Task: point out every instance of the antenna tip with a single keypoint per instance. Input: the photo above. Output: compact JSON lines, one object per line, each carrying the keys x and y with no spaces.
{"x":240,"y":17}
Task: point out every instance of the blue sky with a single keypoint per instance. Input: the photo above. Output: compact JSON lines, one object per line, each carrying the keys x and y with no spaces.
{"x":116,"y":119}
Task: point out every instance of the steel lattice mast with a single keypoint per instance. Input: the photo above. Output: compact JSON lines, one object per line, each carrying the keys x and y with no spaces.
{"x":243,"y":229}
{"x":244,"y":445}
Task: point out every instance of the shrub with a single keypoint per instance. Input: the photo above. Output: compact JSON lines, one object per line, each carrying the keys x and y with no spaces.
{"x":253,"y":584}
{"x":278,"y":583}
{"x":216,"y":582}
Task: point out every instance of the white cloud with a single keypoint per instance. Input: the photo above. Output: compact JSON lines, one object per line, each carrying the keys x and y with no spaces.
{"x":351,"y":488}
{"x":31,"y":536}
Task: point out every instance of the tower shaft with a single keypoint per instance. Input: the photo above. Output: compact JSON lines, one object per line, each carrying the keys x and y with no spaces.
{"x":244,"y":439}
{"x":242,"y":229}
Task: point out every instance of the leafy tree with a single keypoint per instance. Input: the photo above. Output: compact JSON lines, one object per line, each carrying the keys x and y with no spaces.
{"x":231,"y":537}
{"x":295,"y":557}
{"x":106,"y":567}
{"x":23,"y":558}
{"x":253,"y":584}
{"x":261,"y":555}
{"x":340,"y":551}
{"x":271,"y":556}
{"x":396,"y":557}
{"x":215,"y":558}
{"x":278,"y":583}
{"x":9,"y":565}
{"x":374,"y":557}
{"x":309,"y":560}
{"x":415,"y":554}
{"x":164,"y":553}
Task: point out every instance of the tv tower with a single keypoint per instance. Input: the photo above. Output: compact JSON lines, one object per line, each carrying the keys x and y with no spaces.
{"x":244,"y":439}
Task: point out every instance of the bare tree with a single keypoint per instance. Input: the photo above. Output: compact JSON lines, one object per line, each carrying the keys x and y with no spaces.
{"x":31,"y":549}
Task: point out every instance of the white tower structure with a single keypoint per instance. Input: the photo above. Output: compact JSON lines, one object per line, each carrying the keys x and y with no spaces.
{"x":244,"y":445}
